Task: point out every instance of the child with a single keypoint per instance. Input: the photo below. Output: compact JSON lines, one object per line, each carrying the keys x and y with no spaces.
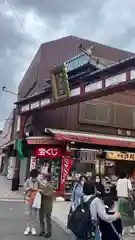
{"x":31,"y":187}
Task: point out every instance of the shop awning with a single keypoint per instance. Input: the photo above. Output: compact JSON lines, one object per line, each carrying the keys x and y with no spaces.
{"x":97,"y":139}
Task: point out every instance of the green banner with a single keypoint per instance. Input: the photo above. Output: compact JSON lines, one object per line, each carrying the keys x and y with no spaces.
{"x":19,"y":149}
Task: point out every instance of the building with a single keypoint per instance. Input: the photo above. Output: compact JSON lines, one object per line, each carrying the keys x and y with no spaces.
{"x":7,"y":141}
{"x":37,"y":79}
{"x":103,"y":116}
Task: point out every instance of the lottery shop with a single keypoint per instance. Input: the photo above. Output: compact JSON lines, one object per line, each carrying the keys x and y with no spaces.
{"x":49,"y":155}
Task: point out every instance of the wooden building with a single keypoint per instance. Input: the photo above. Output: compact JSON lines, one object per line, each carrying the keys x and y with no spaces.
{"x":107,"y":122}
{"x":113,"y":114}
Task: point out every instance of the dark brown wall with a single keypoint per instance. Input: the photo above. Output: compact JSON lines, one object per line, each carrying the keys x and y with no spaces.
{"x":68,"y":117}
{"x":57,"y":51}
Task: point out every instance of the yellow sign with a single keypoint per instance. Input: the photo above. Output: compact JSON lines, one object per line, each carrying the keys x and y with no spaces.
{"x":120,"y":156}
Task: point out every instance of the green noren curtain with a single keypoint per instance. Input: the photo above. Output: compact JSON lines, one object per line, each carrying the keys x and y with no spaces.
{"x":19,"y":149}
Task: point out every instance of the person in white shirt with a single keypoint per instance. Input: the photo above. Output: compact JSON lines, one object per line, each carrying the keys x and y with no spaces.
{"x":124,"y":194}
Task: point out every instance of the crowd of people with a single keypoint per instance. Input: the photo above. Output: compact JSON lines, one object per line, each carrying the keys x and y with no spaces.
{"x":93,"y":213}
{"x":111,"y":214}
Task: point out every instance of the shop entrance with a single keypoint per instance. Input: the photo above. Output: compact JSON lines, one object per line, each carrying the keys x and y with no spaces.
{"x":52,"y":166}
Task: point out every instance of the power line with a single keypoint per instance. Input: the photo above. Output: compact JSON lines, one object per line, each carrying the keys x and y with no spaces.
{"x":19,"y":21}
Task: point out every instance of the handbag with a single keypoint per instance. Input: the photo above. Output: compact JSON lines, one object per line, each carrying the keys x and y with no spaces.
{"x":37,"y":201}
{"x":120,"y":237}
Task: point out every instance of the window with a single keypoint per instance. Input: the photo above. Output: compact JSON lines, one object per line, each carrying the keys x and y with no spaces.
{"x":96,"y":113}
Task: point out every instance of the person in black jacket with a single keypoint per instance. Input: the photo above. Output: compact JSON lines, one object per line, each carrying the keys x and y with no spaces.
{"x":110,"y":231}
{"x":100,"y":190}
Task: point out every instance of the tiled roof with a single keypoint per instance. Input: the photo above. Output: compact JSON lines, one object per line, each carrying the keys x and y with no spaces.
{"x":55,"y":52}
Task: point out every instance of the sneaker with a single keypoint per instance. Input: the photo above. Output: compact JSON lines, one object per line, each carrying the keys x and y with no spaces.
{"x":42,"y":233}
{"x":33,"y":231}
{"x":27,"y":231}
{"x":47,"y":235}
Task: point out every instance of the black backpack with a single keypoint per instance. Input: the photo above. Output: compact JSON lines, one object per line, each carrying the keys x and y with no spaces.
{"x":80,"y":220}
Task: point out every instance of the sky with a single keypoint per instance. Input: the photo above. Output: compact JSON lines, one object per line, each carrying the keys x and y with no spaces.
{"x":106,"y":21}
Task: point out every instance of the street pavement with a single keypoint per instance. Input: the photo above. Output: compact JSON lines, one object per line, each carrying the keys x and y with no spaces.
{"x":12,"y":224}
{"x":12,"y":217}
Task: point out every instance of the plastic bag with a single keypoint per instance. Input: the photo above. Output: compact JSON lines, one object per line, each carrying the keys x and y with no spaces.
{"x":37,"y":201}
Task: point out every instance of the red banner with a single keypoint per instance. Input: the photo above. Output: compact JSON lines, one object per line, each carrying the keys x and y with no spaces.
{"x":65,"y":168}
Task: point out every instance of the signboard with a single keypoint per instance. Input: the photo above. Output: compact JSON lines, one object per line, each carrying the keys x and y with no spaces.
{"x":65,"y":168}
{"x":33,"y":163}
{"x":60,"y":84}
{"x":120,"y":156}
{"x":35,"y":105}
{"x":49,"y":152}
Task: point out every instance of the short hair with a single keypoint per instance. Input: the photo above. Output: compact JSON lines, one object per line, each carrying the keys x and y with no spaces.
{"x":81,"y":177}
{"x":123,"y":175}
{"x":34,"y":173}
{"x":89,"y":188}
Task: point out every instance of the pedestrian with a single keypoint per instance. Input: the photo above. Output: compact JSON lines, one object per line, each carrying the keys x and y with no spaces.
{"x":46,"y":205}
{"x":124,"y":193}
{"x":85,"y":217}
{"x":111,"y":231}
{"x":100,"y":190}
{"x":31,"y":187}
{"x":77,"y":192}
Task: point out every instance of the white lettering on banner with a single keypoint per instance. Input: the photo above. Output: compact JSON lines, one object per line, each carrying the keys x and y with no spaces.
{"x":25,"y":108}
{"x":115,"y":80}
{"x":34,"y":105}
{"x":65,"y":170}
{"x":132,"y":74}
{"x":48,"y":152}
{"x":93,"y":86}
{"x":32,"y":163}
{"x":44,"y":102}
{"x":75,"y":92}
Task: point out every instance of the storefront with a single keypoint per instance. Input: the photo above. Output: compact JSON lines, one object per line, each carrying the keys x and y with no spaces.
{"x":124,"y":159}
{"x":49,"y":156}
{"x":59,"y":152}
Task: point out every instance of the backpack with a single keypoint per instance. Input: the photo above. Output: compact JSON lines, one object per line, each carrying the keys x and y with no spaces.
{"x":74,"y":191}
{"x":80,"y":220}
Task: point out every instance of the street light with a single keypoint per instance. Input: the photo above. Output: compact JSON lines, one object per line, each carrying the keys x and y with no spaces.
{"x":4,"y":89}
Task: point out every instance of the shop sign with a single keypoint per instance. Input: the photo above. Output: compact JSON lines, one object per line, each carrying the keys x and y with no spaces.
{"x":36,"y":141}
{"x":65,"y":168}
{"x":33,"y":163}
{"x":50,"y":152}
{"x":120,"y":156}
{"x":25,"y":108}
{"x":35,"y":105}
{"x":45,"y":102}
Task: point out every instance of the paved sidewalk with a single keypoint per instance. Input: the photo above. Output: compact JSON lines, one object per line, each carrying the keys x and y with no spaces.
{"x":5,"y":190}
{"x":60,"y":212}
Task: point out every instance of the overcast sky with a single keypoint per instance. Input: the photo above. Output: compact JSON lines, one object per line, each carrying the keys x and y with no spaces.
{"x":107,"y":21}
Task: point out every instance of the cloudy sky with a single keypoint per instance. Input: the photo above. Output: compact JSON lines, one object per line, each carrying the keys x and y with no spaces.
{"x":106,"y":21}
